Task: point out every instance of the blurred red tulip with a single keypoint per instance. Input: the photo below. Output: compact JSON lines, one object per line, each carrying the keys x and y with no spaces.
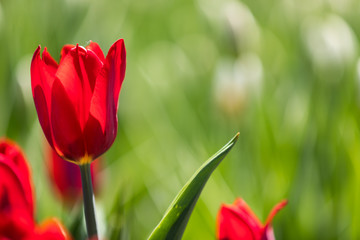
{"x":66,"y":177}
{"x":77,"y":99}
{"x":238,"y":222}
{"x":17,"y":200}
{"x":50,"y":229}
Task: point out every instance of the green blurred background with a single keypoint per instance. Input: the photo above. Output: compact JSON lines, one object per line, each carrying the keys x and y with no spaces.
{"x":284,"y":73}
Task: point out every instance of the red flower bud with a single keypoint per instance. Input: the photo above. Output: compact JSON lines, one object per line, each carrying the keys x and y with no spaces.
{"x":238,"y":222}
{"x":77,"y":99}
{"x":50,"y":229}
{"x":17,"y":200}
{"x":16,"y":193}
{"x":66,"y":177}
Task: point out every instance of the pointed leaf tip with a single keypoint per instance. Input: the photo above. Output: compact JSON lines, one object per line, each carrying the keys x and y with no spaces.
{"x":175,"y":219}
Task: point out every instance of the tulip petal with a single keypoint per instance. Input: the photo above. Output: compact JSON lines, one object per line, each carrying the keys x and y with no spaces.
{"x":268,"y":233}
{"x":275,"y":210}
{"x":231,"y":227}
{"x":65,"y":125}
{"x":42,"y":71}
{"x":51,"y":229}
{"x":104,"y":102}
{"x":243,"y":209}
{"x":14,"y":198}
{"x":49,"y":62}
{"x":71,"y":78}
{"x":65,"y":50}
{"x":43,"y":113}
{"x":97,"y":141}
{"x":77,"y":72}
{"x":16,"y":226}
{"x":93,"y":46}
{"x":42,"y":78}
{"x":117,"y":57}
{"x":15,"y":156}
{"x":12,"y":155}
{"x":101,"y":128}
{"x":234,"y":223}
{"x":91,"y":68}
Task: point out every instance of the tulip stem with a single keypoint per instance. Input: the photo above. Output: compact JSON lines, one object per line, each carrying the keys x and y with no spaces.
{"x":88,"y":197}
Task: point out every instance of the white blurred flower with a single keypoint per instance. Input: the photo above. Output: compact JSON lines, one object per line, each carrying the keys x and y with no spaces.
{"x":242,"y":24}
{"x":237,"y":17}
{"x":248,"y":68}
{"x":230,"y":93}
{"x":235,"y":82}
{"x":210,"y":8}
{"x":358,"y":77}
{"x":342,"y":5}
{"x":330,"y":41}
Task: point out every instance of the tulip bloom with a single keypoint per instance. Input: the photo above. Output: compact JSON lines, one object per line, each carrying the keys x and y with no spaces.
{"x":77,"y":99}
{"x":66,"y":177}
{"x":238,"y":222}
{"x":17,"y":200}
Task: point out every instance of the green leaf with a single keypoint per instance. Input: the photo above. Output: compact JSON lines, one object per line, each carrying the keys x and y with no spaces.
{"x":173,"y":224}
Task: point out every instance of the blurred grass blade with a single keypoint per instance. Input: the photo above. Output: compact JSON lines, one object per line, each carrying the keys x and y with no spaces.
{"x":173,"y":224}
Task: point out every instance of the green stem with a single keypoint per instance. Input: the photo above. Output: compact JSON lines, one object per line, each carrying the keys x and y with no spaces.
{"x":88,"y":196}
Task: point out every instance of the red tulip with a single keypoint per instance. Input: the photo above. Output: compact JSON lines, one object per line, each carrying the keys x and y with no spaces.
{"x":17,"y":201}
{"x":77,"y":99}
{"x":50,"y":229}
{"x":238,"y":222}
{"x":66,"y":177}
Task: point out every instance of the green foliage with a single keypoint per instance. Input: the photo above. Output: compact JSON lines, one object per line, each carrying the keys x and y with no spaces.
{"x":298,"y":113}
{"x":173,"y":224}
